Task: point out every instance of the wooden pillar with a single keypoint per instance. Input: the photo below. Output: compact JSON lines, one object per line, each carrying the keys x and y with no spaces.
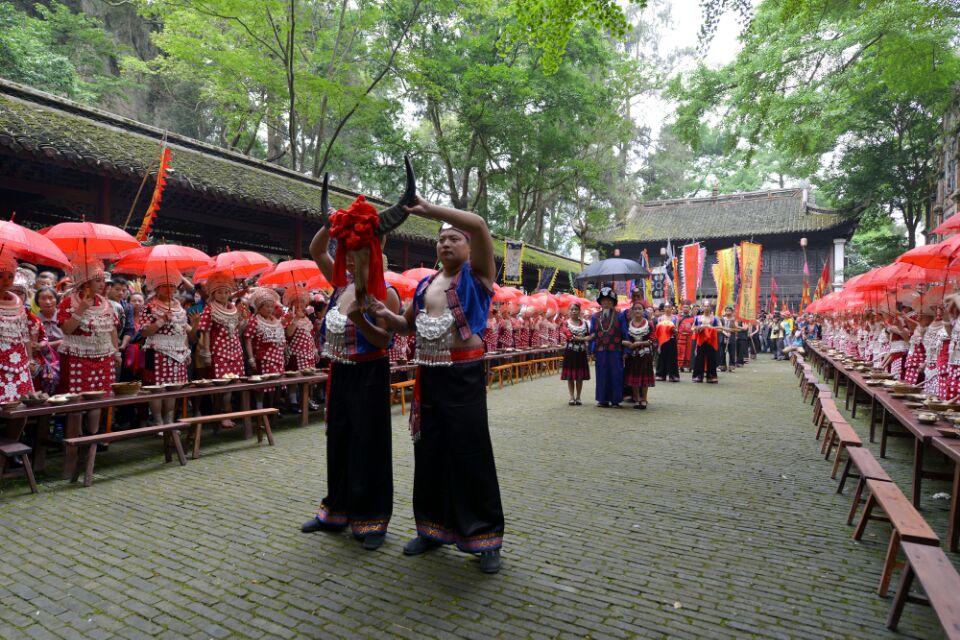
{"x":298,"y":239}
{"x":103,"y":200}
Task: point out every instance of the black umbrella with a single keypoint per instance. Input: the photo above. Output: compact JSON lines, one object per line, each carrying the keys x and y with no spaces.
{"x":611,"y":269}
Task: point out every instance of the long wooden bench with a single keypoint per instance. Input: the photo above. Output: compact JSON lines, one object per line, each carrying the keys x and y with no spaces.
{"x":500,"y":369}
{"x":842,"y":434}
{"x":11,"y":449}
{"x":940,"y":582}
{"x":828,"y":413}
{"x":399,"y":388}
{"x":908,"y":525}
{"x":868,"y":468}
{"x":263,"y":425}
{"x":818,"y":400}
{"x":87,"y":445}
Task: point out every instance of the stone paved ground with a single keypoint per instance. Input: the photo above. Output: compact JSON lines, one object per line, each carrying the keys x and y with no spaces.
{"x":708,"y":516}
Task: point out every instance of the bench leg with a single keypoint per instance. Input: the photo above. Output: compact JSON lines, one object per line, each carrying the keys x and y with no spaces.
{"x":71,"y":451}
{"x":28,"y":469}
{"x":167,"y":446}
{"x":917,"y":470}
{"x":900,"y":598}
{"x":857,"y":497}
{"x":304,"y":404}
{"x":836,"y":461}
{"x":197,"y":430}
{"x":70,"y":456}
{"x":265,"y":424}
{"x":864,"y":517}
{"x":883,"y":433}
{"x":175,"y":436}
{"x":953,"y":526}
{"x":846,"y":474}
{"x":890,"y":564}
{"x":403,"y":401}
{"x":91,"y":459}
{"x":873,"y":418}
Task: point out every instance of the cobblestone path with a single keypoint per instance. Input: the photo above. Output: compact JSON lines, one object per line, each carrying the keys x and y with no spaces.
{"x":708,"y":516}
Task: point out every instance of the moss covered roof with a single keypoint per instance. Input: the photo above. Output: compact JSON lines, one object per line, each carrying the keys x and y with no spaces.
{"x":740,"y":215}
{"x":57,"y":130}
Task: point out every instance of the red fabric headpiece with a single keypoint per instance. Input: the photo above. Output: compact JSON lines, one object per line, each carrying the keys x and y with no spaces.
{"x":355,"y":228}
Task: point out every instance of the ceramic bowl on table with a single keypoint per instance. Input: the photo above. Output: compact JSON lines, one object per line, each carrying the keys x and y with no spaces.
{"x":92,"y":395}
{"x":174,"y":386}
{"x":925,"y":417}
{"x":59,"y":399}
{"x":10,"y":404}
{"x":125,"y":388}
{"x":152,"y":388}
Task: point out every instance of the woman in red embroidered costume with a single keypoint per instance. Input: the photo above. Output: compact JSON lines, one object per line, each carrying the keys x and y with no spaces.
{"x":299,"y":329}
{"x":15,"y":339}
{"x":264,"y":337}
{"x":164,"y":324}
{"x":221,"y":324}
{"x":89,"y":356}
{"x":576,"y":362}
{"x":359,"y":459}
{"x":491,"y":338}
{"x":505,"y":327}
{"x":301,"y":344}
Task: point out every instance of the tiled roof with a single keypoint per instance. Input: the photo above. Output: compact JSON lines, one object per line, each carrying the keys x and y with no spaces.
{"x":740,"y":215}
{"x":57,"y":130}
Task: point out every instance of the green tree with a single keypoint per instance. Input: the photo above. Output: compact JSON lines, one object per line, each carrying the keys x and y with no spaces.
{"x":57,"y":50}
{"x":863,"y":83}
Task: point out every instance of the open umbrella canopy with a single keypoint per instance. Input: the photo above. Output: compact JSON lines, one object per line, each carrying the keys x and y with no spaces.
{"x":611,"y":269}
{"x":90,"y":240}
{"x":291,"y":272}
{"x":506,"y":294}
{"x":419,"y":273}
{"x":28,"y":245}
{"x":405,"y":286}
{"x":161,"y":257}
{"x":240,"y":264}
{"x":318,"y":282}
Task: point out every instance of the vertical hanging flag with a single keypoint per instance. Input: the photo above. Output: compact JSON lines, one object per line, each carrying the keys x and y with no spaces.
{"x":823,"y":282}
{"x":690,"y":268}
{"x":547,"y":277}
{"x":773,"y":293}
{"x":146,"y":226}
{"x":676,"y":282}
{"x":726,"y":285}
{"x":748,"y":300}
{"x":805,"y":288}
{"x":512,"y":262}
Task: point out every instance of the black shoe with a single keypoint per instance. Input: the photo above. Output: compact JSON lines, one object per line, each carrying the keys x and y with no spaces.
{"x":294,"y":409}
{"x":315,"y":524}
{"x":490,"y":561}
{"x":103,"y":446}
{"x":638,"y":406}
{"x":374,"y":541}
{"x":615,"y":406}
{"x":603,"y":405}
{"x":419,"y":545}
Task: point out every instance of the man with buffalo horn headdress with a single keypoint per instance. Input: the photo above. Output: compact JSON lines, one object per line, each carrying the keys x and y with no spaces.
{"x":456,"y":497}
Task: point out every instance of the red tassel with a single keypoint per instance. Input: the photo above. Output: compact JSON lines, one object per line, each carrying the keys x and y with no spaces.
{"x":148,"y":218}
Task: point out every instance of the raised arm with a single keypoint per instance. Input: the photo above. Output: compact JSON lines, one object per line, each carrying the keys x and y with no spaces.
{"x":319,"y":253}
{"x":481,"y":244}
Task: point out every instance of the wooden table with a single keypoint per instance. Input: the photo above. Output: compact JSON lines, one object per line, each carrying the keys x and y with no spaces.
{"x":950,"y":447}
{"x":16,"y":418}
{"x":890,"y":407}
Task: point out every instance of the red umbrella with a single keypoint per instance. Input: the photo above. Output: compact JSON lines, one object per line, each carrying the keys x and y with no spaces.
{"x":405,"y":286}
{"x":419,"y":273}
{"x":950,"y":225}
{"x":28,"y":245}
{"x":161,"y":257}
{"x":90,"y":240}
{"x":291,"y":272}
{"x":240,"y":264}
{"x":506,"y":294}
{"x":318,"y":282}
{"x":934,"y":256}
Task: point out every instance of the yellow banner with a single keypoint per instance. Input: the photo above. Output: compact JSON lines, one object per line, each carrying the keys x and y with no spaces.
{"x":725,"y":278}
{"x":749,"y":281}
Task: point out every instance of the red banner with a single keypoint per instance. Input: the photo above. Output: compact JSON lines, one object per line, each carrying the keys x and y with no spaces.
{"x":691,"y":271}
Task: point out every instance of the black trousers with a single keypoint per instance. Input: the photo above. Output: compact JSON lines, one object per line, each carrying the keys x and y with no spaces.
{"x":456,"y":496}
{"x":743,"y":348}
{"x":705,"y":363}
{"x":359,"y":444}
{"x":667,"y":360}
